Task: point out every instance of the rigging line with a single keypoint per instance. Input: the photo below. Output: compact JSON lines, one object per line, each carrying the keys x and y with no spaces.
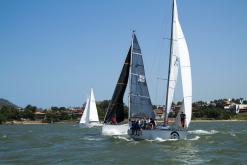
{"x":160,"y":78}
{"x":156,"y":91}
{"x":159,"y":99}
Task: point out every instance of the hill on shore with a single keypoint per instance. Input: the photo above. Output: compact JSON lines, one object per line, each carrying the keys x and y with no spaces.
{"x":7,"y":103}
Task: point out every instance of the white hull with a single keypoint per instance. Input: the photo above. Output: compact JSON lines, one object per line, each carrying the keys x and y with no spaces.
{"x":156,"y":134}
{"x":90,"y":124}
{"x":110,"y":130}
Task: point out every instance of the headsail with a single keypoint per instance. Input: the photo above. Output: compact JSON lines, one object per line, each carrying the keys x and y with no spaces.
{"x":85,"y":115}
{"x":184,"y":59}
{"x":93,"y":113}
{"x":115,"y":110}
{"x":139,"y":101}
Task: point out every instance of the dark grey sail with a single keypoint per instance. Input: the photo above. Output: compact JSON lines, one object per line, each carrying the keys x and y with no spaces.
{"x":115,"y":110}
{"x":140,"y":105}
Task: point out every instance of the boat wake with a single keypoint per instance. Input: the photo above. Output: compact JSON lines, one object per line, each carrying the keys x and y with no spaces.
{"x":203,"y":132}
{"x":195,"y":138}
{"x":95,"y":125}
{"x":161,"y":140}
{"x":91,"y":138}
{"x":164,"y":140}
{"x":4,"y":136}
{"x":90,"y":125}
{"x":122,"y":138}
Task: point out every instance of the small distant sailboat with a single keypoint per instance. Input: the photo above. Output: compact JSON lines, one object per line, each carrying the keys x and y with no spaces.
{"x":90,"y":116}
{"x":132,"y":74}
{"x":179,"y":54}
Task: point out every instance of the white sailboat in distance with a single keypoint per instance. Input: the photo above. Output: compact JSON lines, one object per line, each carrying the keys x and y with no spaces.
{"x":179,"y":57}
{"x":90,"y":116}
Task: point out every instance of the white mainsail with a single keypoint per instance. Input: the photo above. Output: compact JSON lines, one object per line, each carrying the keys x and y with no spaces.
{"x":184,"y":60}
{"x":173,"y":69}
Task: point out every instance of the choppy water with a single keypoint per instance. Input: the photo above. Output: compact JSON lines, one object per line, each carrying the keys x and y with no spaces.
{"x":64,"y":144}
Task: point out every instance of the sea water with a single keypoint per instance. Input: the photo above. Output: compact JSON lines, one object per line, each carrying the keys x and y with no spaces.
{"x":65,"y":144}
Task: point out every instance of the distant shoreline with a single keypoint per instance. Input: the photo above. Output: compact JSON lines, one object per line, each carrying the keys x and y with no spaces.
{"x":76,"y":122}
{"x":29,"y":122}
{"x":14,"y":122}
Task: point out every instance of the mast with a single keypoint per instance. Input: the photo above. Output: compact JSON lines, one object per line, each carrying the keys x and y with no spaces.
{"x":169,"y":66}
{"x":133,"y":33}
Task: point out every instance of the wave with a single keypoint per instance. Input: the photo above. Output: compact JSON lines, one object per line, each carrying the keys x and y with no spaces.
{"x":164,"y":140}
{"x":195,"y":138}
{"x":203,"y":132}
{"x":122,"y":138}
{"x":90,"y":125}
{"x":90,"y":138}
{"x":160,"y":140}
{"x":232,"y":134}
{"x":4,"y":136}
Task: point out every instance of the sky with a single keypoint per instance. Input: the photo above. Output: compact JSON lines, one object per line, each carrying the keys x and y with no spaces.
{"x":53,"y":51}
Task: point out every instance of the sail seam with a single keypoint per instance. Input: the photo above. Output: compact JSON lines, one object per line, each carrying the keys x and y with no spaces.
{"x":136,"y":53}
{"x":139,"y":96}
{"x":135,"y":74}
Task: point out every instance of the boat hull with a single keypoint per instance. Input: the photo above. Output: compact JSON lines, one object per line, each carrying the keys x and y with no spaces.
{"x":110,"y":130}
{"x":90,"y":124}
{"x":156,"y":134}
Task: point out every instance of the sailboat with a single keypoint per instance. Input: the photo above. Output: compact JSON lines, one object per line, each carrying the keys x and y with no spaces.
{"x":179,"y":57}
{"x":90,"y":114}
{"x":132,"y":75}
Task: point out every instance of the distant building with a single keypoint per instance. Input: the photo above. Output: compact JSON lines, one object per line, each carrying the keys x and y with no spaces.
{"x":242,"y":108}
{"x":39,"y":115}
{"x":237,"y":108}
{"x":75,"y":111}
{"x":159,"y":113}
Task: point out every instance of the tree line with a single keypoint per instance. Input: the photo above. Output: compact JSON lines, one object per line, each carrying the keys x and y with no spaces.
{"x":202,"y":110}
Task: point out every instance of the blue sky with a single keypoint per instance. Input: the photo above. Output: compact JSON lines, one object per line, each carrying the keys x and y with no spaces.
{"x":53,"y":51}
